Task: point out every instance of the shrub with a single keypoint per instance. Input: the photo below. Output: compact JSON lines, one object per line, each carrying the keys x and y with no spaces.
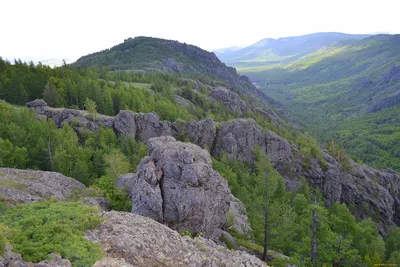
{"x":50,"y":227}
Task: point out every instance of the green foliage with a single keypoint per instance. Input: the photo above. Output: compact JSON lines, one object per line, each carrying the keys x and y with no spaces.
{"x":117,"y":164}
{"x":90,"y":106}
{"x":49,"y":227}
{"x":347,"y":91}
{"x":5,"y":235}
{"x":340,"y":238}
{"x":227,"y":242}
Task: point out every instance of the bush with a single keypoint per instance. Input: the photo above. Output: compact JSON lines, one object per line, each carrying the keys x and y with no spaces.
{"x":50,"y":227}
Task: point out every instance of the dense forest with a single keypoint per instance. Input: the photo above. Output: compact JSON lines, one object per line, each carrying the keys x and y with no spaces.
{"x":97,"y":158}
{"x":346,"y":90}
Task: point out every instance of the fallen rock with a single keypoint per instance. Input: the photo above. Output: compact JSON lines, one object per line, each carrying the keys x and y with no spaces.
{"x":133,"y":240}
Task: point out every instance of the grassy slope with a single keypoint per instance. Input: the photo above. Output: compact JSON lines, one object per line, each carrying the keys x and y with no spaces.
{"x":338,"y":89}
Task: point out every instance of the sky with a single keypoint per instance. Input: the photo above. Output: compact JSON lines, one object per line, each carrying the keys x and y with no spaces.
{"x":68,"y":29}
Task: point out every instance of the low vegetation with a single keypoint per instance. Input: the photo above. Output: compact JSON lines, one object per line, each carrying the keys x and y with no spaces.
{"x":37,"y":230}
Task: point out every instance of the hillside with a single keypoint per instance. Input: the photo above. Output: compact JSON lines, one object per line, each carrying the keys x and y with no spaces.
{"x":153,"y":54}
{"x":273,"y":51}
{"x":348,"y":91}
{"x":188,"y":152}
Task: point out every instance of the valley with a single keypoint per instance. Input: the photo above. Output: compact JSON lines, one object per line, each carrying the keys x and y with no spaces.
{"x":340,"y":87}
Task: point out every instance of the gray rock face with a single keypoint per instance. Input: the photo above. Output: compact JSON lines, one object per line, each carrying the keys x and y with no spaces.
{"x":359,"y":185}
{"x":201,"y":133}
{"x":124,"y":123}
{"x":230,"y":99}
{"x":238,"y":139}
{"x":176,"y":185}
{"x":39,"y":105}
{"x":148,"y":126}
{"x":25,"y":186}
{"x":133,"y":240}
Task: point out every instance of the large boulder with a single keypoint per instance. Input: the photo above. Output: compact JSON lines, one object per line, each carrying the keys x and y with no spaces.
{"x":176,"y":185}
{"x":131,"y":240}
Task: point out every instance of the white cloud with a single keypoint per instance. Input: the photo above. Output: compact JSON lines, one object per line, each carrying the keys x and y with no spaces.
{"x":44,"y":29}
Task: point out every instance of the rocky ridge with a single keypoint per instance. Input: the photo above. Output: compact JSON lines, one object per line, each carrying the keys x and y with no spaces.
{"x":378,"y":190}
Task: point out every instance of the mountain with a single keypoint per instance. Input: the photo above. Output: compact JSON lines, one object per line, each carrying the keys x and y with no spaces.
{"x":272,"y":51}
{"x":348,"y":91}
{"x":126,"y":135}
{"x":226,"y":50}
{"x":153,"y":54}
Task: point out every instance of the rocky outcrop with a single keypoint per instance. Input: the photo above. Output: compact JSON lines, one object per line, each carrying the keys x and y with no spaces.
{"x":230,"y":99}
{"x":176,"y":185}
{"x":201,"y":133}
{"x":238,"y":138}
{"x":373,"y":193}
{"x":12,"y":259}
{"x":78,"y":119}
{"x":25,"y":186}
{"x":376,"y":191}
{"x":133,"y":240}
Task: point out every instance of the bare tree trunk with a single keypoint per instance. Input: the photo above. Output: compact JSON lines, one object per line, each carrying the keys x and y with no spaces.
{"x":264,"y":256}
{"x":50,"y":157}
{"x":314,"y":239}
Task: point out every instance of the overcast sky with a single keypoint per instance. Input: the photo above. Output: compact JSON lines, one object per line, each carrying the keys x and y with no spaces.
{"x":44,"y":29}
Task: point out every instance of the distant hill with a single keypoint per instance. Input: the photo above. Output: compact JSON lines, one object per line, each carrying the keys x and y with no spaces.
{"x":272,"y":51}
{"x":149,"y":54}
{"x":348,"y":90}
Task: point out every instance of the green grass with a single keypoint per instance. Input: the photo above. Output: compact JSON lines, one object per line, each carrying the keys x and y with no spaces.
{"x":249,"y":245}
{"x":146,"y":86}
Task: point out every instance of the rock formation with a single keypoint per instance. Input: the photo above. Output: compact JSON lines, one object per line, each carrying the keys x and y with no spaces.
{"x":378,"y":191}
{"x":132,"y":240}
{"x":176,"y":185}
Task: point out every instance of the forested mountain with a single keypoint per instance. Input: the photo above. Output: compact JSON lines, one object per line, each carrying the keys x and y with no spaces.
{"x":272,"y":51}
{"x":96,"y":123}
{"x":348,"y":91}
{"x":153,"y":54}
